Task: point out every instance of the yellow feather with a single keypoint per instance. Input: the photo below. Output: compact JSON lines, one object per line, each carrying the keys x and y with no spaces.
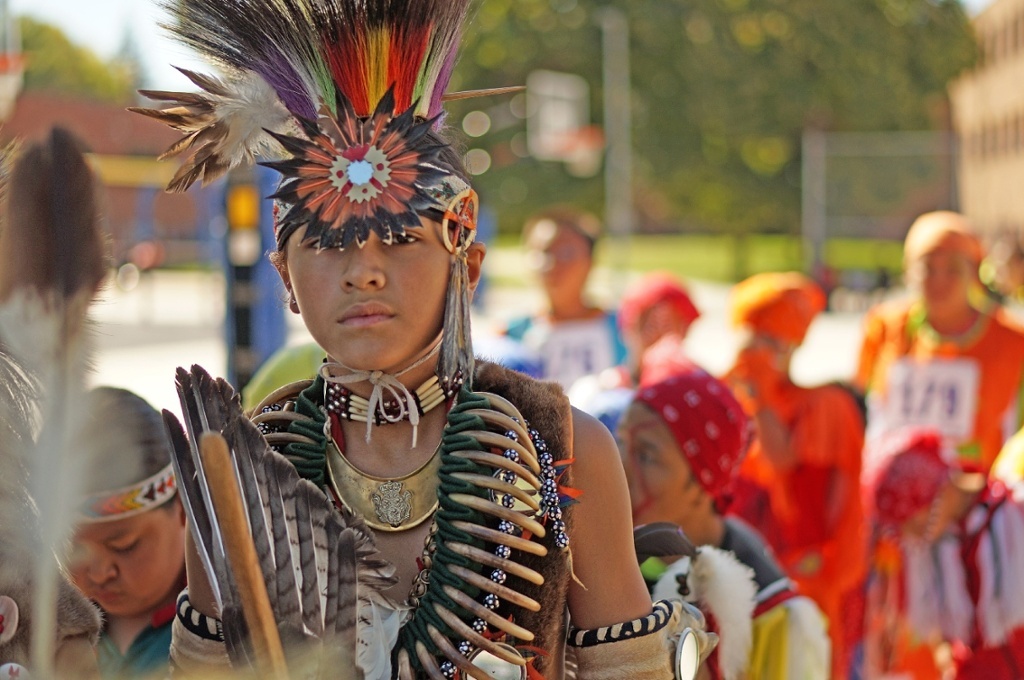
{"x":378,"y":42}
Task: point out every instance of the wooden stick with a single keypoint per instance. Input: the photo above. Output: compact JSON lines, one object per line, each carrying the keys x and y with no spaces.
{"x":234,"y":525}
{"x":472,"y":94}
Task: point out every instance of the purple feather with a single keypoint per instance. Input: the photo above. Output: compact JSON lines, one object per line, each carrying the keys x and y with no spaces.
{"x":443,"y":79}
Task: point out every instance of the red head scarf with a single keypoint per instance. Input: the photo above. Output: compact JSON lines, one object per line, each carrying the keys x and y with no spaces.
{"x":908,"y":475}
{"x":779,"y":305}
{"x":708,"y":424}
{"x":653,"y":289}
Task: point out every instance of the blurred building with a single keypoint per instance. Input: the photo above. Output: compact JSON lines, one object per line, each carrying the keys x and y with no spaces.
{"x":988,"y":115}
{"x":123,"y":148}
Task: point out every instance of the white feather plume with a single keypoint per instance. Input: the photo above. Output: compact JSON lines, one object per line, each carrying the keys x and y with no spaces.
{"x":224,"y":124}
{"x":252,"y":108}
{"x":723,"y":587}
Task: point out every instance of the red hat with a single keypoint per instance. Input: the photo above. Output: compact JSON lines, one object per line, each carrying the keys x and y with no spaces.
{"x":709,"y":425}
{"x":651,"y":290}
{"x":908,"y":475}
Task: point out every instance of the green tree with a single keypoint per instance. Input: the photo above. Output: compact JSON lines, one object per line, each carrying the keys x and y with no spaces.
{"x":722,"y":91}
{"x":56,"y":64}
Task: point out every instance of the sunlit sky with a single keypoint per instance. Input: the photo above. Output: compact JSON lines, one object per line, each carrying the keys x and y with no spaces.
{"x":103,"y":24}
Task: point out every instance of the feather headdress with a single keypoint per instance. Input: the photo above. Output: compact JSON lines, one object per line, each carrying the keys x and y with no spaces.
{"x":343,"y":97}
{"x":344,"y":90}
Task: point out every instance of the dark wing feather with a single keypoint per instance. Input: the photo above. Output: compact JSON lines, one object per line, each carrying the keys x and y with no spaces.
{"x":282,"y":485}
{"x":661,"y":539}
{"x":342,"y":641}
{"x":312,"y":615}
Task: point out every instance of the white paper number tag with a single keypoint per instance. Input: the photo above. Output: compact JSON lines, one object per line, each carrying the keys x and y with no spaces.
{"x":941,"y":393}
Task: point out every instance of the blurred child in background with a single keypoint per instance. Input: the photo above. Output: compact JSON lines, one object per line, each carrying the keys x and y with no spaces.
{"x":683,"y":440}
{"x":573,"y":337}
{"x":800,"y":483}
{"x":962,"y":542}
{"x":128,"y":548}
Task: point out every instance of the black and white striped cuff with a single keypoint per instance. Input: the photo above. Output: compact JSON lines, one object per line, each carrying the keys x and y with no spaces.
{"x":197,"y":623}
{"x":652,"y":623}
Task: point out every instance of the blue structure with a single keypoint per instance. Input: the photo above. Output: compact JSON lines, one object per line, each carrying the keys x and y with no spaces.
{"x":255,"y":315}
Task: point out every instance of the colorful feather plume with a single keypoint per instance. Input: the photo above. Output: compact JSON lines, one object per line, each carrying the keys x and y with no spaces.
{"x":310,"y":54}
{"x":51,"y":266}
{"x":320,"y":567}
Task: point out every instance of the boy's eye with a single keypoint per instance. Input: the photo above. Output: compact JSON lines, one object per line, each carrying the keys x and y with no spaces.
{"x":124,"y":549}
{"x":647,"y":455}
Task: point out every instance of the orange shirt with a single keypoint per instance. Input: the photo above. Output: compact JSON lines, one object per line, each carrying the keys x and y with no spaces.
{"x":815,"y":537}
{"x":811,"y":512}
{"x":898,"y":342}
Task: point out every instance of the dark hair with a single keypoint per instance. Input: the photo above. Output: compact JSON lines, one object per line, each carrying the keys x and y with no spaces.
{"x":138,"y":446}
{"x":582,"y":223}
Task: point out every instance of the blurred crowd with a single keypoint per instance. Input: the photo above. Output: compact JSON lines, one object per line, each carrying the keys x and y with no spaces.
{"x":890,"y":500}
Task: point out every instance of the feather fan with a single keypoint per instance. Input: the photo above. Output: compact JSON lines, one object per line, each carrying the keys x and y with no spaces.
{"x":284,"y":59}
{"x":51,"y":265}
{"x":319,"y":564}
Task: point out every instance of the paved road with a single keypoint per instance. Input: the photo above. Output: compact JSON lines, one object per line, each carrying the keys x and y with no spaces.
{"x":175,"y":319}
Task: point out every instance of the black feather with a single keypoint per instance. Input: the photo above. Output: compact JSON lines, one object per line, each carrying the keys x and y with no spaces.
{"x":661,"y":539}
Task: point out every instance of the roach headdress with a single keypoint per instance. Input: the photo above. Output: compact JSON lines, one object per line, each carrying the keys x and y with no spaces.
{"x":342,"y":97}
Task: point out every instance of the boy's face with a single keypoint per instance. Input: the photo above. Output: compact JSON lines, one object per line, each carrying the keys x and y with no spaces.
{"x":561,"y":258}
{"x":944,"y":277}
{"x":132,"y":566}
{"x":661,"y":485}
{"x":376,"y":307}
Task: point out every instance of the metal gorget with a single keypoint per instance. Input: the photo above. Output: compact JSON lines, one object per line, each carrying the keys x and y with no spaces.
{"x":385,"y":503}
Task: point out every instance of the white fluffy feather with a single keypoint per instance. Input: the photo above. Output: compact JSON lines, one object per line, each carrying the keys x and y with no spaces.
{"x":33,"y":331}
{"x":724,"y":587}
{"x":252,"y":108}
{"x":810,"y":650}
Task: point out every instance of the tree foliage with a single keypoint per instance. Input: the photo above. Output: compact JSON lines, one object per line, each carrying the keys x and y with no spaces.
{"x":722,"y":92}
{"x":56,"y":64}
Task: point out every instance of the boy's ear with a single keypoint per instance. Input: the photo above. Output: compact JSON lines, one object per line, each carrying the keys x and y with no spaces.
{"x":475,"y":260}
{"x":281,"y":265}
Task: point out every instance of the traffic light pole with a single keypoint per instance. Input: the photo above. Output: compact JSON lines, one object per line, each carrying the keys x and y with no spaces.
{"x":255,"y":325}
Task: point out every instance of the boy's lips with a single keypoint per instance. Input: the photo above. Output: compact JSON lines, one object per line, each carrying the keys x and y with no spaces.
{"x":365,"y":314}
{"x":105,"y":595}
